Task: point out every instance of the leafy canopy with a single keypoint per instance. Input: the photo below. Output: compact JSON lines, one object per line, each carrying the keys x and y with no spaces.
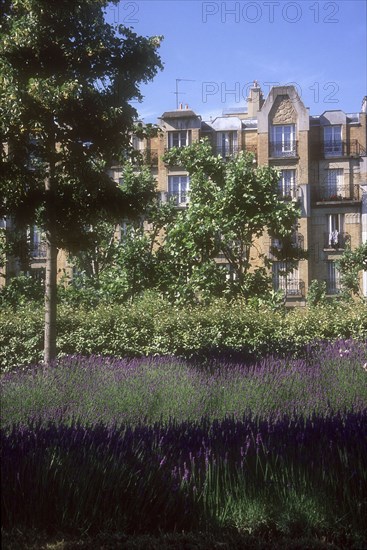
{"x":67,"y":79}
{"x":232,"y":203}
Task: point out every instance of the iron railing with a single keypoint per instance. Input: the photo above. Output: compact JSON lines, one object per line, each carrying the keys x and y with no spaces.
{"x":338,"y":148}
{"x":290,"y":286}
{"x":38,"y":250}
{"x":283,"y":149}
{"x":276,"y":247}
{"x":331,"y":192}
{"x":335,"y":240}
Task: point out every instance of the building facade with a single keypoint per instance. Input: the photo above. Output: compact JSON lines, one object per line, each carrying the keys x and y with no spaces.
{"x":323,"y":168}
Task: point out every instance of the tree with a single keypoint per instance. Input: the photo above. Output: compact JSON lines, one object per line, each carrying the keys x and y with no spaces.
{"x":232,"y":203}
{"x":66,"y":80}
{"x":350,"y":265}
{"x":121,"y":260}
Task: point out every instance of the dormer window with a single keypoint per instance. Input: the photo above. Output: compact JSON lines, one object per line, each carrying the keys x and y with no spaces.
{"x":226,"y":143}
{"x":180,"y":138}
{"x":333,"y":146}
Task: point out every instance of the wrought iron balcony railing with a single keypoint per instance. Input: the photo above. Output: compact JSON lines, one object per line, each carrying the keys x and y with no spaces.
{"x":288,"y":192}
{"x":331,"y":192}
{"x":277,"y":247}
{"x":337,"y":148}
{"x":145,"y":156}
{"x":283,"y":149}
{"x":226,"y":150}
{"x":335,"y":240}
{"x":179,"y":199}
{"x":290,"y":286}
{"x":38,"y":251}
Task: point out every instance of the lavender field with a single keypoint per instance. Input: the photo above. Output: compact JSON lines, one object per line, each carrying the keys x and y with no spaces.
{"x":274,"y":448}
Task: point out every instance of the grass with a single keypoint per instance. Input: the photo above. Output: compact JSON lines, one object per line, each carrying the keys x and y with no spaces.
{"x":274,"y":451}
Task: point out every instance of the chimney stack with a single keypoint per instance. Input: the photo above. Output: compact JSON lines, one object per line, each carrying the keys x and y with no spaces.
{"x":255,"y":100}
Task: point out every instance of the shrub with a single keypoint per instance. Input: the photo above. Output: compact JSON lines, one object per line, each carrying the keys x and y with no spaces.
{"x":151,"y":326}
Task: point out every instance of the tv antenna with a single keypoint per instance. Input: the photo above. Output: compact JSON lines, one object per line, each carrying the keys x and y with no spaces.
{"x":177,"y":93}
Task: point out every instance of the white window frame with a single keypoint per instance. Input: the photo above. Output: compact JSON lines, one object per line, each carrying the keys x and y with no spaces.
{"x":227,"y":143}
{"x":333,"y":145}
{"x":179,"y":138}
{"x":287,"y":183}
{"x":286,"y":282}
{"x":179,"y":188}
{"x":335,"y":224}
{"x":37,"y":239}
{"x":283,"y":137}
{"x":334,"y":182}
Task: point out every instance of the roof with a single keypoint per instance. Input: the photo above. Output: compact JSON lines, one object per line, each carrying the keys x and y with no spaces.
{"x":180,"y":113}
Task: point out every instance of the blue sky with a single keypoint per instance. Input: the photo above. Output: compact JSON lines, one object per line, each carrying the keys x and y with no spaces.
{"x":218,"y":48}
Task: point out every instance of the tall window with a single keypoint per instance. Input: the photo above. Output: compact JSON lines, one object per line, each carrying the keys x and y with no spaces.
{"x":37,"y":242}
{"x":226,"y":143}
{"x":283,"y":140}
{"x":287,"y":184}
{"x":178,"y":188}
{"x":335,"y":230}
{"x":333,"y":141}
{"x":179,"y":138}
{"x":333,"y":278}
{"x":289,"y":283}
{"x":334,"y":184}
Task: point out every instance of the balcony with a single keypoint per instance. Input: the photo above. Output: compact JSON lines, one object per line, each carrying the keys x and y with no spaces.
{"x":288,"y":193}
{"x":279,"y":249}
{"x":179,"y":199}
{"x":342,"y":149}
{"x":147,"y":157}
{"x":226,"y":150}
{"x":335,"y":193}
{"x":283,"y":149}
{"x":38,"y":251}
{"x":292,"y":287}
{"x":336,"y":240}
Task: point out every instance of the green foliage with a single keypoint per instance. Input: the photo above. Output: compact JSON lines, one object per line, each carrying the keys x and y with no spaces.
{"x":316,"y":293}
{"x":232,"y":203}
{"x":350,"y":265}
{"x":152,"y":326}
{"x":21,"y":290}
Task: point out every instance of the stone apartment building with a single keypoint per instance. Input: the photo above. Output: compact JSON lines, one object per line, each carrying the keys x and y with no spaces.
{"x":323,"y":168}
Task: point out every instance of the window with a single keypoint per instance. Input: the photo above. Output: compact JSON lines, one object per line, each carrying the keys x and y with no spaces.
{"x":178,"y":187}
{"x":287,"y":184}
{"x":289,"y":283}
{"x":137,"y":143}
{"x":333,"y":187}
{"x":333,"y":141}
{"x":333,"y":278}
{"x":179,"y":138}
{"x":283,"y":141}
{"x":37,"y":242}
{"x":226,"y":143}
{"x":335,"y":234}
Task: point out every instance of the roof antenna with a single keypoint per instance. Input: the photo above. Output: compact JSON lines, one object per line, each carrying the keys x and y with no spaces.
{"x":177,"y":93}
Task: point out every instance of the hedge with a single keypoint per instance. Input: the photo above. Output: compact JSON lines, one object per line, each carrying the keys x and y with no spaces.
{"x":151,"y":326}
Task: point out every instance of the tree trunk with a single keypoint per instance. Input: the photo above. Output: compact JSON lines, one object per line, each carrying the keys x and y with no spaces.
{"x":51,"y":264}
{"x":50,"y":299}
